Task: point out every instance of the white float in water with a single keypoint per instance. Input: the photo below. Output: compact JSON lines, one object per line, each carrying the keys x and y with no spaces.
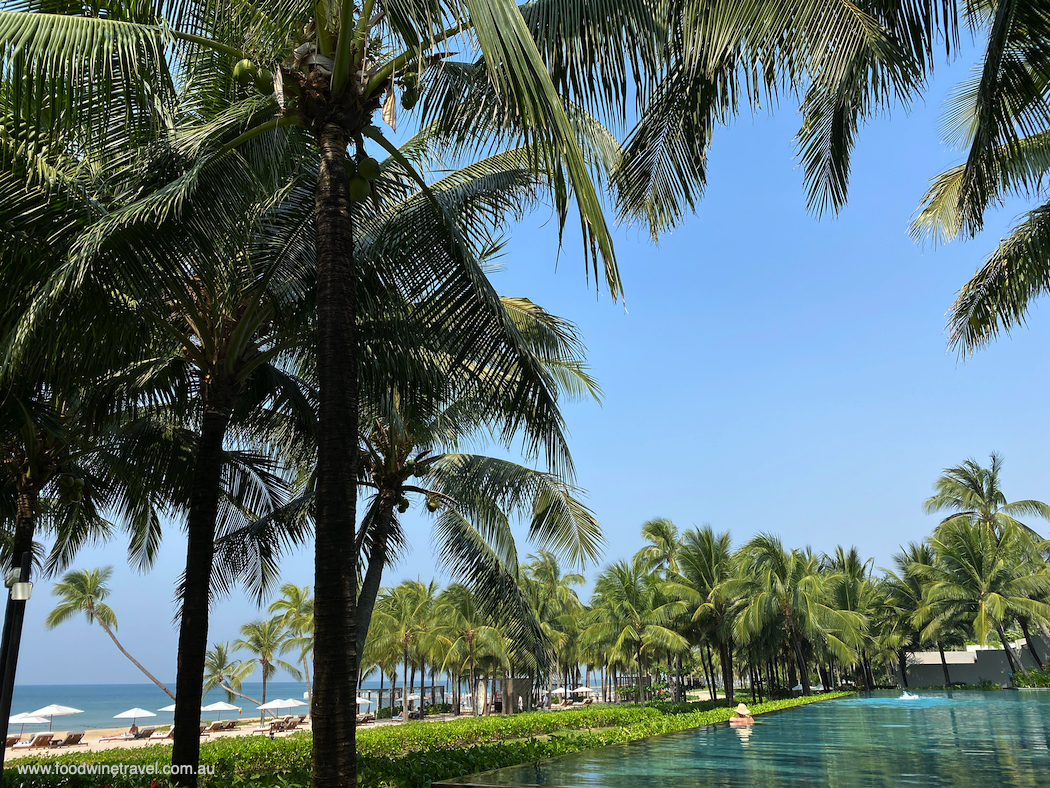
{"x":908,"y":696}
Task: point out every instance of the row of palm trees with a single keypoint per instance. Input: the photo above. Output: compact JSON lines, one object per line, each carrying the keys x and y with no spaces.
{"x":688,"y":606}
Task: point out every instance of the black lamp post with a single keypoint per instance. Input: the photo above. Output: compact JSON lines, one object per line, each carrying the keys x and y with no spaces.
{"x":19,"y":591}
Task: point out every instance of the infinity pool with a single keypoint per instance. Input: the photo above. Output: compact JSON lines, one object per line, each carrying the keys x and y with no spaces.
{"x":983,"y":739}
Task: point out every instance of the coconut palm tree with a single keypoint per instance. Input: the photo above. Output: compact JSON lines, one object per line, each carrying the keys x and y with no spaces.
{"x":267,"y":640}
{"x":468,"y":634}
{"x":228,"y":674}
{"x":974,"y":494}
{"x":787,"y":589}
{"x":976,"y":577}
{"x":662,"y":550}
{"x":296,"y":611}
{"x":83,"y":591}
{"x":631,"y":613}
{"x":703,"y":582}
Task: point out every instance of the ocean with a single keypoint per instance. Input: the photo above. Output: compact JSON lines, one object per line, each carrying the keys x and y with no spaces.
{"x":100,"y":702}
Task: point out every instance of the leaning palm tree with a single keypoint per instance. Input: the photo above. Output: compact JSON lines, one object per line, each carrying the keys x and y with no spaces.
{"x":226,"y":673}
{"x":662,"y":550}
{"x":83,"y":591}
{"x":973,"y":494}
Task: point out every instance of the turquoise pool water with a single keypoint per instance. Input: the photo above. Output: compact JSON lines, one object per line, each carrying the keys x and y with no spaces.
{"x":983,"y":739}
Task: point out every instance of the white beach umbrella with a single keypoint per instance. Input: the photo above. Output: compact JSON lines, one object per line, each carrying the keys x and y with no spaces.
{"x":286,"y":703}
{"x":559,"y":691}
{"x":583,"y":690}
{"x":364,"y":701}
{"x":220,"y":706}
{"x":24,"y":719}
{"x":172,"y":708}
{"x":54,"y":710}
{"x":414,"y":696}
{"x":133,"y":714}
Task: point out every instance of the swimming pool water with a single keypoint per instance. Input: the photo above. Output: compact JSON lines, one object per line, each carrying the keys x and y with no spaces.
{"x":982,"y":739}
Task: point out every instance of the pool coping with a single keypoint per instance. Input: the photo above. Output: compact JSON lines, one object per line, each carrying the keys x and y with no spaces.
{"x":465,"y":782}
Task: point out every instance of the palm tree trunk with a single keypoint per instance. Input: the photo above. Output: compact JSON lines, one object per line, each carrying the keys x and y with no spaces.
{"x":404,"y":690}
{"x":1028,"y":639}
{"x":134,"y":661}
{"x":309,"y":689}
{"x":802,"y":669}
{"x":902,"y":663}
{"x":422,"y":687}
{"x":232,"y":691}
{"x":944,"y":664}
{"x":335,"y":554}
{"x":473,"y":684}
{"x":641,"y":688}
{"x":1009,"y":652}
{"x":196,"y":596}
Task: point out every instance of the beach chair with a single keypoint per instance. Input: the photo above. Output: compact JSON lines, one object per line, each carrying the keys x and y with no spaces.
{"x":38,"y":741}
{"x":215,"y":727}
{"x":146,"y":732}
{"x":126,"y":736}
{"x":364,"y":719}
{"x":72,"y":739}
{"x":13,"y":740}
{"x":264,"y":727}
{"x":231,"y":725}
{"x":204,"y":729}
{"x":291,"y":725}
{"x":163,"y":735}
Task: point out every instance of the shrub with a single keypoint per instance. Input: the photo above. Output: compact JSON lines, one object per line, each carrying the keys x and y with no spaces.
{"x":1035,"y":678}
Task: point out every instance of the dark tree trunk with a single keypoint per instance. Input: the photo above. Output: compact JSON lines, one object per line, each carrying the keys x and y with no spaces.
{"x":200,"y":551}
{"x":902,"y":663}
{"x":944,"y":664}
{"x":21,"y":561}
{"x":710,"y":668}
{"x":335,"y":558}
{"x":1028,"y":639}
{"x":802,"y":669}
{"x":1006,"y":647}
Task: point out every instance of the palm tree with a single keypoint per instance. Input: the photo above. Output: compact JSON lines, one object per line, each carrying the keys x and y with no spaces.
{"x":228,"y":674}
{"x":631,"y":613}
{"x":787,"y":589}
{"x":403,"y":614}
{"x":467,"y":632}
{"x":82,"y":591}
{"x":662,"y":550}
{"x":1002,"y":121}
{"x":296,"y":609}
{"x":703,"y":582}
{"x":976,"y":577}
{"x":974,"y":494}
{"x":267,"y":640}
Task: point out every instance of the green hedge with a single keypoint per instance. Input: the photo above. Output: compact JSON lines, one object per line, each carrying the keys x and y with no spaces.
{"x":1034,"y":678}
{"x":411,"y":755}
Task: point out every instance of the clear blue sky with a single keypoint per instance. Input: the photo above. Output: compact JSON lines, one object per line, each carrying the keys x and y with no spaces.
{"x":771,"y":372}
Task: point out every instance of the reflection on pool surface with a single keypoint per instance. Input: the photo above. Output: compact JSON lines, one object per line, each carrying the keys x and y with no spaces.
{"x":980,"y":739}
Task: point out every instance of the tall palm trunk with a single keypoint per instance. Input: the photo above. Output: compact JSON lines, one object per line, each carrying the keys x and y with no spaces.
{"x":1014,"y":667}
{"x":944,"y":664}
{"x":641,"y":687}
{"x":232,"y":691}
{"x":135,"y":662}
{"x":473,"y":683}
{"x":335,"y":559}
{"x":802,"y":669}
{"x":405,"y":691}
{"x":193,"y":621}
{"x":370,"y":584}
{"x":902,"y":661}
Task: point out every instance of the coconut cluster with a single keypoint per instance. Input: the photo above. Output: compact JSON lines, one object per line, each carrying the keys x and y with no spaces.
{"x":365,"y":170}
{"x":247,"y":72}
{"x":71,"y":489}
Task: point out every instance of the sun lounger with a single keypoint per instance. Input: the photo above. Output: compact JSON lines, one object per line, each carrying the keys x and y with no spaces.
{"x":72,"y":739}
{"x":216,"y":726}
{"x":146,"y":732}
{"x":126,"y":736}
{"x":291,"y":725}
{"x":230,"y":725}
{"x":13,"y":740}
{"x":40,"y":740}
{"x":162,"y":735}
{"x":364,"y":719}
{"x":265,"y":727}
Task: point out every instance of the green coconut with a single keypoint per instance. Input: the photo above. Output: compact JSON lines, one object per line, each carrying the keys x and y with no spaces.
{"x":65,"y":482}
{"x":78,"y":484}
{"x":368,"y":168}
{"x":432,"y":504}
{"x":264,"y":81}
{"x":244,"y":71}
{"x":359,"y":189}
{"x":409,"y":98}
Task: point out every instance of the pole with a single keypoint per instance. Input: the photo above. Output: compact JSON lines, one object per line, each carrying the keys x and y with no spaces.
{"x":12,"y":637}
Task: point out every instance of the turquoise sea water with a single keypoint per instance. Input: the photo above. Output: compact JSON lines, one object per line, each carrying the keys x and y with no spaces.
{"x":982,"y":739}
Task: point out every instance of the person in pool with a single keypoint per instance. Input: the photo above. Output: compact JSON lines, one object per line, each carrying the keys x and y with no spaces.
{"x":741,"y":716}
